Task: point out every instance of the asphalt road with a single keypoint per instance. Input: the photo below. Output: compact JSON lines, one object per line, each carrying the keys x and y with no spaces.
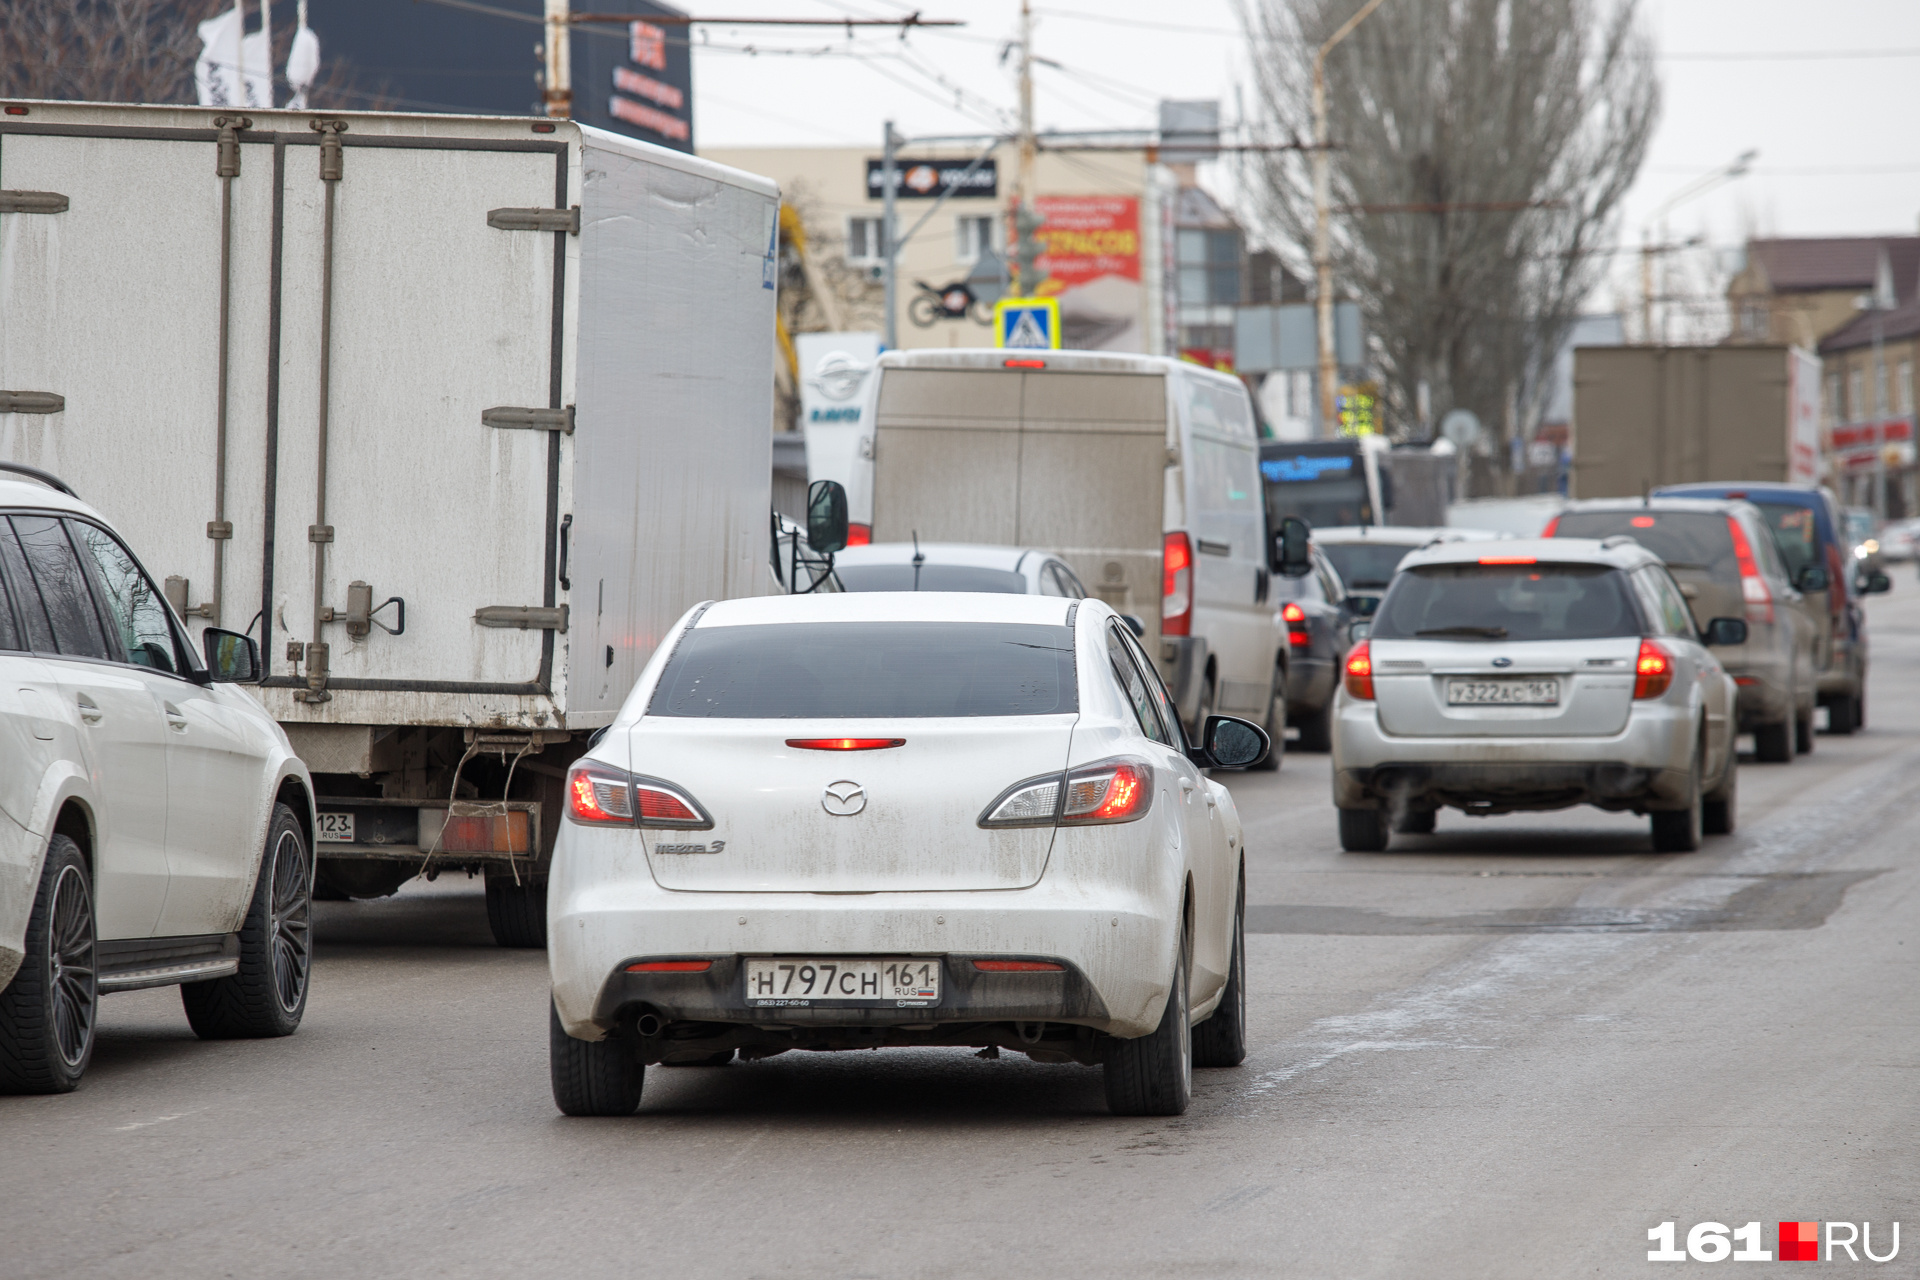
{"x":1507,"y":1049}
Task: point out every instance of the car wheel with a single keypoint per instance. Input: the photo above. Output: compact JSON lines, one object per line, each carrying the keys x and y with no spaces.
{"x":1803,"y":732}
{"x":1316,"y":728}
{"x":1363,"y":830}
{"x":1221,"y":1041}
{"x":1679,"y":830}
{"x":1417,"y":822}
{"x":48,"y":1011}
{"x":1718,"y":811}
{"x":269,"y":994}
{"x":1276,"y":725}
{"x":1843,"y":714}
{"x":1773,"y":743}
{"x":517,"y":909}
{"x":1153,"y":1074}
{"x":593,"y":1077}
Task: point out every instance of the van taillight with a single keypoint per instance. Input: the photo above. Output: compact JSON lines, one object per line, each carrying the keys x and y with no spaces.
{"x":1296,"y":619}
{"x":1551,"y":526}
{"x":859,"y":535}
{"x":1176,"y":586}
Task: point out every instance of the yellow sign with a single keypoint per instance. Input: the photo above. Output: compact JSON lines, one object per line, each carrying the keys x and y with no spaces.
{"x":1357,"y":409}
{"x":1031,"y":324}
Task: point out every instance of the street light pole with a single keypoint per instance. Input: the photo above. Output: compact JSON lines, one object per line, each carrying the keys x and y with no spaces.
{"x":1025,"y":222}
{"x":889,"y":251}
{"x":557,"y":88}
{"x":1323,"y":213}
{"x":1698,"y":187}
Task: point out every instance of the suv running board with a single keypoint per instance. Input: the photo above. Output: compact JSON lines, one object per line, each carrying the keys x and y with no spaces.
{"x":133,"y":963}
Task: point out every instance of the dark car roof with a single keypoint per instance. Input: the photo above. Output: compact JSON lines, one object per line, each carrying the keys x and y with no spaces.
{"x":1812,"y":495}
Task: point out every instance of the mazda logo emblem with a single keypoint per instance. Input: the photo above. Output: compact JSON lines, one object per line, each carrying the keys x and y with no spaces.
{"x":844,"y":799}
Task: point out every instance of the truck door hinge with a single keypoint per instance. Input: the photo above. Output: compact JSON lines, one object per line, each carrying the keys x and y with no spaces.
{"x":567,"y":220}
{"x":523,"y":617}
{"x":560,"y":420}
{"x":32,"y":202}
{"x":31,"y":402}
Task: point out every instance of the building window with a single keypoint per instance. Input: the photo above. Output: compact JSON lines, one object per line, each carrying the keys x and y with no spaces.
{"x":1903,"y":387}
{"x":1836,"y":411}
{"x":865,"y":241}
{"x":974,"y":234}
{"x":1753,"y":321}
{"x":1857,"y":395}
{"x":1209,"y":263}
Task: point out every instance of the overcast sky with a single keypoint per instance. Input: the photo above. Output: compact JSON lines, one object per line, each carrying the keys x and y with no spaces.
{"x":1839,"y":150}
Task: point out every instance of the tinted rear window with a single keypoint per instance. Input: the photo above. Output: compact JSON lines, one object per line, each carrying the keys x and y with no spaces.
{"x":857,"y":670}
{"x":1365,"y":566}
{"x":1696,"y":540}
{"x":930,"y":577}
{"x":1479,"y":602}
{"x":1794,"y":532}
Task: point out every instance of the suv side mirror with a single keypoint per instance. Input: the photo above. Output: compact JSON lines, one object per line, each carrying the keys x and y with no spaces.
{"x":231,"y":657}
{"x":1877,"y":582}
{"x":1725,"y":631}
{"x":1812,"y":578}
{"x":826,"y":516}
{"x":1232,"y":743}
{"x":1289,"y":556}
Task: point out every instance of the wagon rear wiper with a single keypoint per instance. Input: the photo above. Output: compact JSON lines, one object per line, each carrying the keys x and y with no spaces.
{"x":1484,"y":633}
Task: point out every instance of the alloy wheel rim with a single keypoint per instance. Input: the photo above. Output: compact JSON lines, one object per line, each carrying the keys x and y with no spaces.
{"x":72,"y":972}
{"x":291,"y":921}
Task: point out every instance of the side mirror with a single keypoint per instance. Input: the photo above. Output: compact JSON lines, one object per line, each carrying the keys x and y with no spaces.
{"x":1876,"y":583}
{"x":1358,"y":631}
{"x":1232,"y":743}
{"x":1135,"y":625}
{"x":231,"y":657}
{"x":826,"y":516}
{"x":1363,"y":606}
{"x":1289,"y":556}
{"x":1812,"y":578}
{"x":1725,"y":631}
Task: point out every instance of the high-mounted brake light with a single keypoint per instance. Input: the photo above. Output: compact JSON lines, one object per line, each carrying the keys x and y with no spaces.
{"x":1176,"y":585}
{"x":1753,"y":587}
{"x":670,"y":966}
{"x":859,"y":535}
{"x":1552,"y":525}
{"x":1116,"y":790}
{"x":600,"y":795}
{"x":1653,"y":671}
{"x":1643,"y":522}
{"x":1018,"y":966}
{"x":1296,"y":619}
{"x":1024,"y":364}
{"x":1508,"y":560}
{"x":846,"y":744}
{"x":1359,"y":671}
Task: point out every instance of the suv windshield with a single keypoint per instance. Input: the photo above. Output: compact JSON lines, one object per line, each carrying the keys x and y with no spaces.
{"x":1507,"y":602}
{"x":862,"y":670}
{"x":1794,"y":532}
{"x":1697,"y":540}
{"x":1365,"y":565}
{"x":930,"y":577}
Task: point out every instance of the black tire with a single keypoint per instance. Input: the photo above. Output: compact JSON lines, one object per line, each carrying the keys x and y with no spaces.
{"x":269,"y":994}
{"x":49,"y":1011}
{"x":1153,"y":1075}
{"x":1363,"y":830}
{"x":1719,"y":812}
{"x":1680,"y":830}
{"x":1843,"y":715}
{"x":1276,"y":725}
{"x":1803,"y":733}
{"x":593,"y":1077}
{"x":1316,"y":728}
{"x":517,"y":913}
{"x":1221,"y":1041}
{"x":1417,"y":822}
{"x":1773,"y":743}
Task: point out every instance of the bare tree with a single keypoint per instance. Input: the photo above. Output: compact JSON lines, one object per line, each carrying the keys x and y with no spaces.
{"x":1482,"y":147}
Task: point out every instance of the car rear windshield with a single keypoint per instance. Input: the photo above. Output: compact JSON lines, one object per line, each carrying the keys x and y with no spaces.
{"x":861,"y":670}
{"x":1507,"y":602}
{"x":1365,"y":566}
{"x":1696,"y":540}
{"x":930,"y":577}
{"x":1794,"y":532}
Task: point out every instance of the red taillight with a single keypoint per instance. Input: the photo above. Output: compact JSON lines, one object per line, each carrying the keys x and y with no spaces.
{"x":1117,"y":790}
{"x":1017,"y":966}
{"x":1023,"y":364}
{"x":1643,"y":522}
{"x":1508,"y":560}
{"x":670,"y":966}
{"x":1360,"y":671}
{"x":1551,"y":526}
{"x":1653,"y":672}
{"x":600,"y":795}
{"x":1753,"y":587}
{"x":859,"y":535}
{"x":1176,"y":586}
{"x":846,"y":744}
{"x":1296,"y":619}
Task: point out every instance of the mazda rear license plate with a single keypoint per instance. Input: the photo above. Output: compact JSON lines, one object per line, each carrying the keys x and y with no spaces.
{"x":808,"y":980}
{"x":1503,"y":693}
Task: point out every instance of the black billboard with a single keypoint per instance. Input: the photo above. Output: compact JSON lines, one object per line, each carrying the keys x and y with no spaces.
{"x":931,"y":179}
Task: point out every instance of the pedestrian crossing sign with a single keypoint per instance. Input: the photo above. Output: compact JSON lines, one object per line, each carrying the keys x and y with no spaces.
{"x":1027,"y":323}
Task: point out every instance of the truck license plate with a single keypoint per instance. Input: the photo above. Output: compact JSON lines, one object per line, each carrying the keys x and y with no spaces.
{"x":1503,"y":693}
{"x":807,"y":980}
{"x":335,"y":828}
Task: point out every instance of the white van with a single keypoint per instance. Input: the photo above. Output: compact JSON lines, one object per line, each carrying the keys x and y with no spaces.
{"x":1142,"y":472}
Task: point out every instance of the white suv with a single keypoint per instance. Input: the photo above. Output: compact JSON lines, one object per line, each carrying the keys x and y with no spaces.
{"x":155,"y":827}
{"x":1528,"y":675}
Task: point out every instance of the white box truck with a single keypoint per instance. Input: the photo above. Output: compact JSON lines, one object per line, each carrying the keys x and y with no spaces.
{"x":455,"y":415}
{"x":1142,"y":472}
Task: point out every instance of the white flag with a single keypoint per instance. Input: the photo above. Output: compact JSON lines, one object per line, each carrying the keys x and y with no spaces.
{"x":303,"y":61}
{"x":216,"y":75}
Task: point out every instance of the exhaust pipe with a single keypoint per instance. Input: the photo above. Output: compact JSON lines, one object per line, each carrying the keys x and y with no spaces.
{"x":649,"y":1025}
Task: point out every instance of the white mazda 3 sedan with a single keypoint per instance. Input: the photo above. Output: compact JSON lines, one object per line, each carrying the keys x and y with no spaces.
{"x":872,"y":819}
{"x":1530,"y":675}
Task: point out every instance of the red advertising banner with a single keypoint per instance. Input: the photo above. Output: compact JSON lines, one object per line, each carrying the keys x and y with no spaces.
{"x":1087,"y":237}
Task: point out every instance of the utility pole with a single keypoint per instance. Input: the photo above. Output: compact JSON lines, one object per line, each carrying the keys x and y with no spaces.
{"x":1698,"y":187}
{"x":889,"y":250}
{"x":1026,"y":220}
{"x":1323,"y":214}
{"x":557,"y":86}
